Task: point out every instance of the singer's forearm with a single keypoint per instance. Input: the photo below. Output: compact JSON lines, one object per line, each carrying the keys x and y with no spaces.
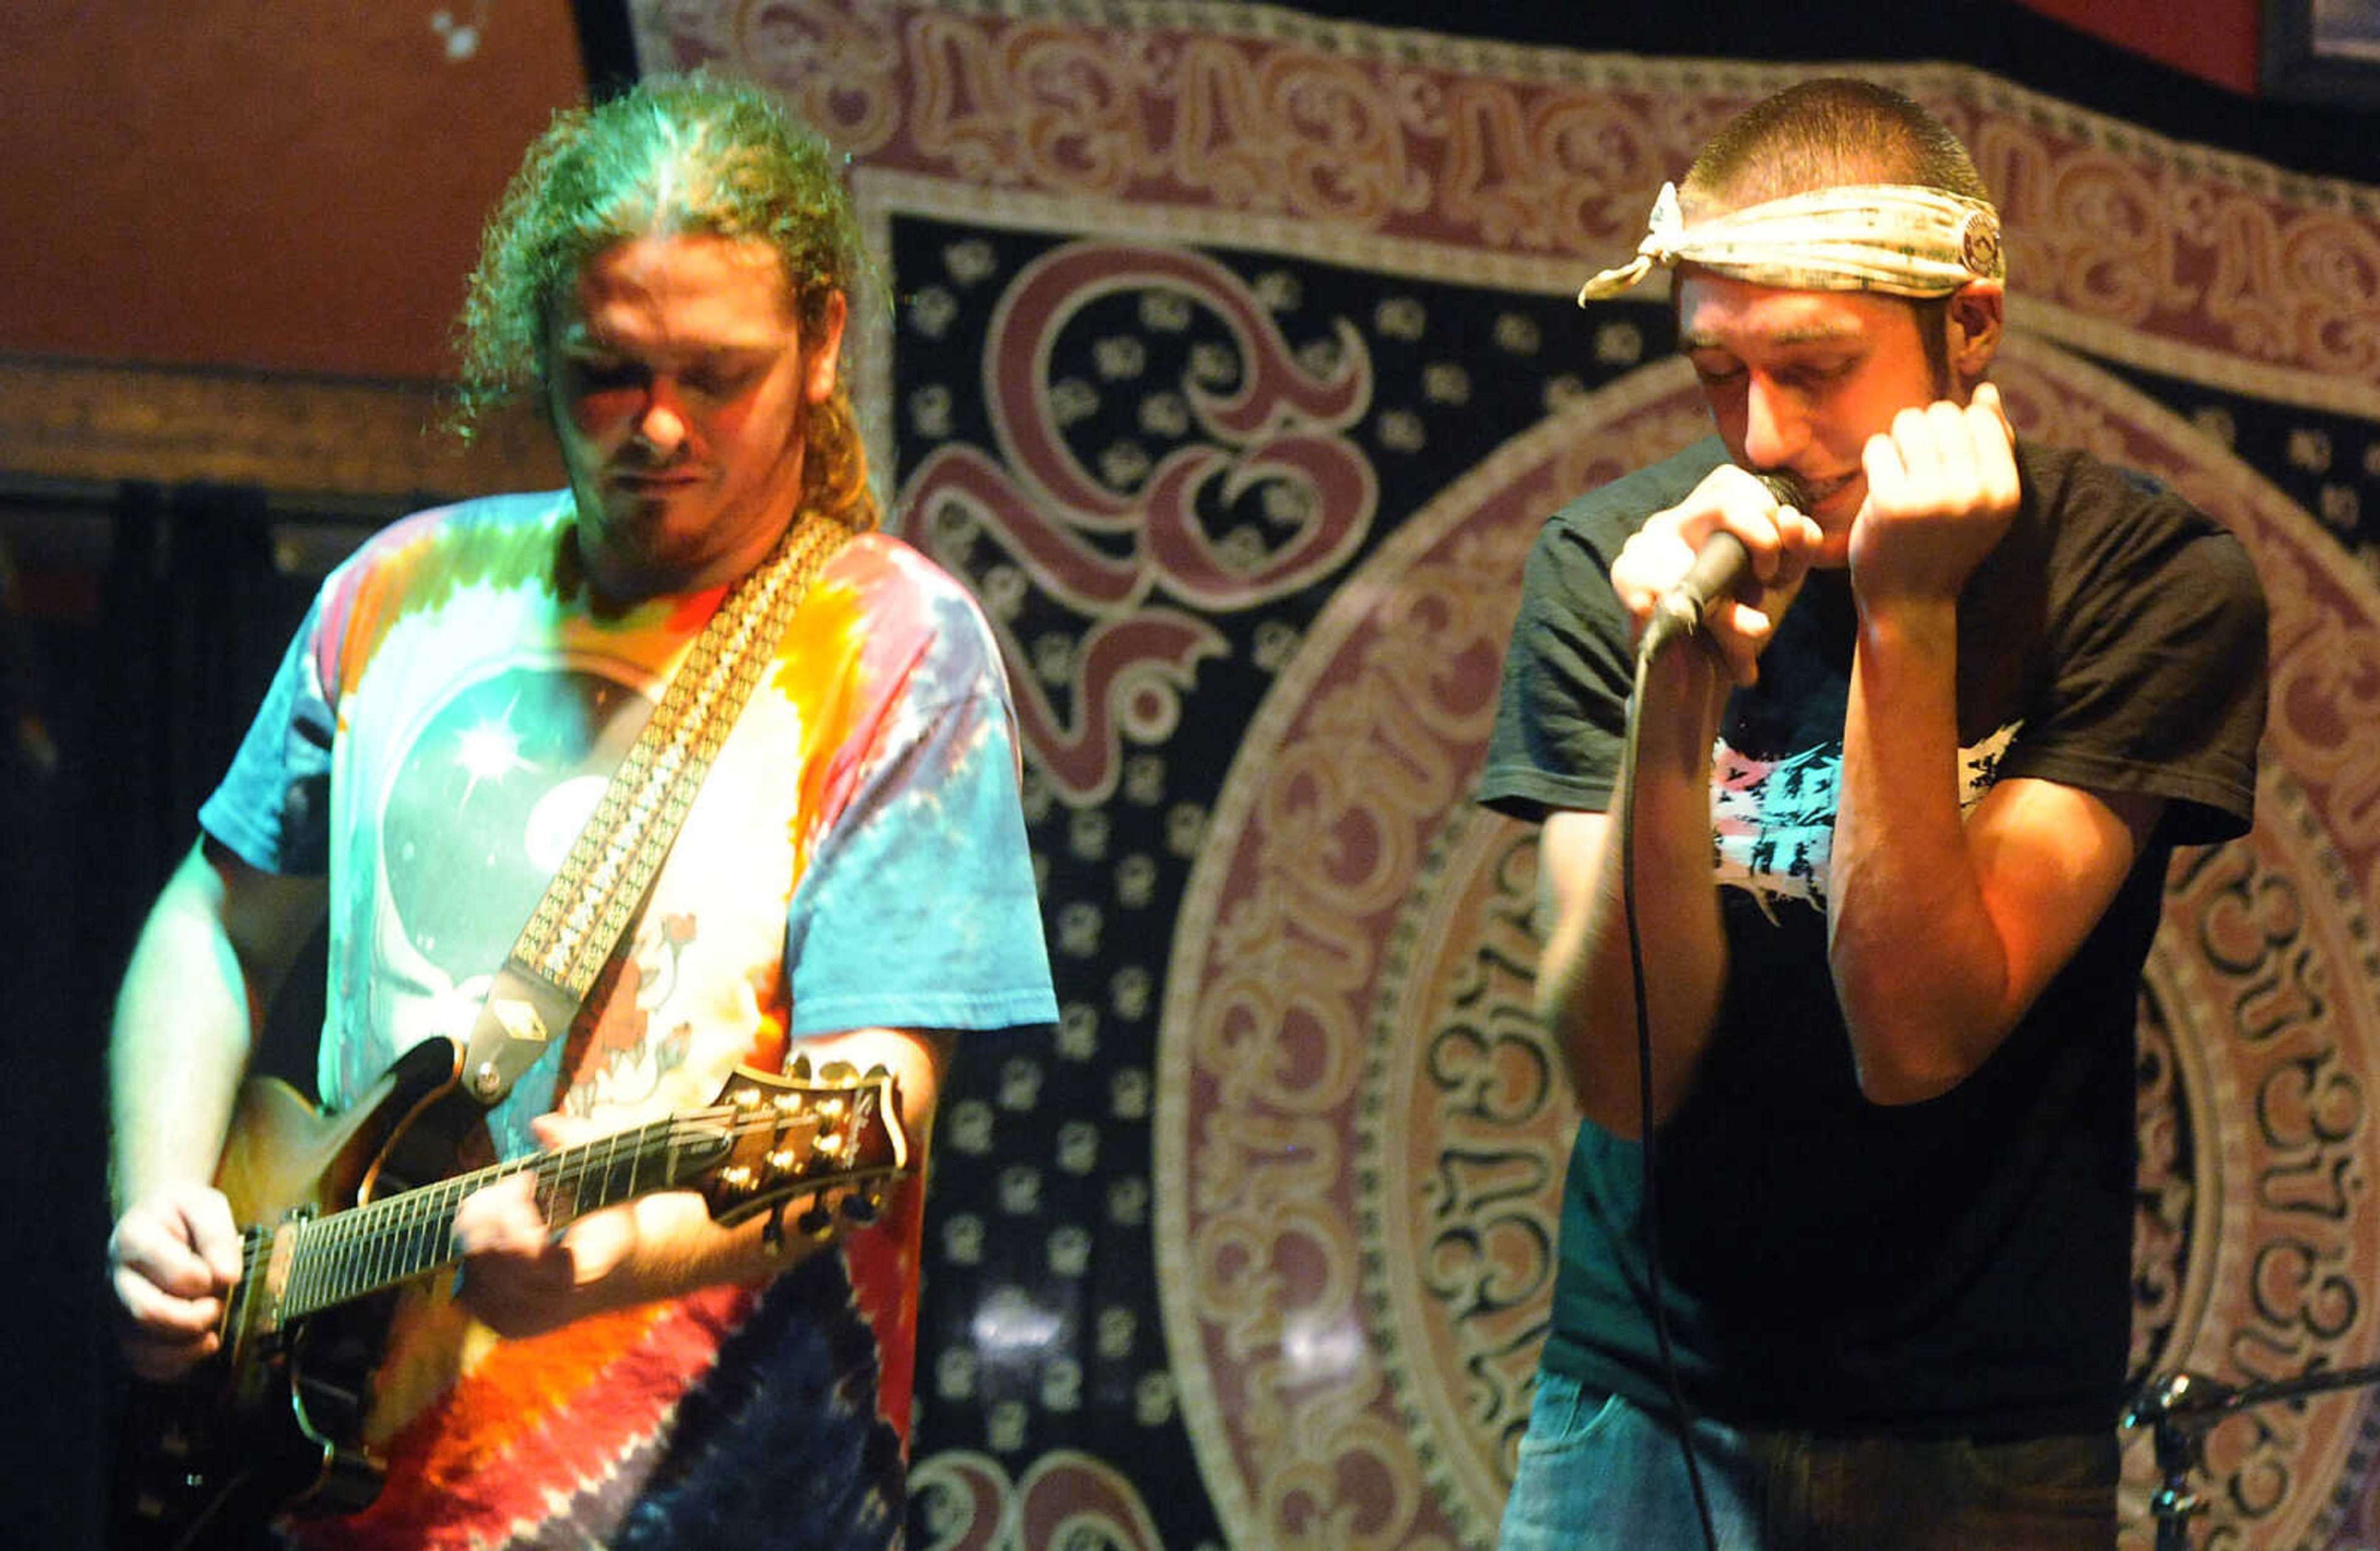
{"x":1919,"y":962}
{"x":1944,"y":927}
{"x":1587,"y":986}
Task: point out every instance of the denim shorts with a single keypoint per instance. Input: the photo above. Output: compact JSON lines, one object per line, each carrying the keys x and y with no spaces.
{"x":1597,"y":1472}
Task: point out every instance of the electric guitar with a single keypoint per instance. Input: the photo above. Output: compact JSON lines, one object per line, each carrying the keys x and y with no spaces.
{"x":271,"y":1423}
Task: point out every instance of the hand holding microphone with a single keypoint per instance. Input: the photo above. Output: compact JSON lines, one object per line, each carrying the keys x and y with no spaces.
{"x":1720,"y":565}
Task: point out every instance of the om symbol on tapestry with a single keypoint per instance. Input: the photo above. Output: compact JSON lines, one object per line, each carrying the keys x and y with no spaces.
{"x":1259,"y":493}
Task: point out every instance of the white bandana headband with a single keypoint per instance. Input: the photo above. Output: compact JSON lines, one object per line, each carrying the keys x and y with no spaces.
{"x":1895,"y":237}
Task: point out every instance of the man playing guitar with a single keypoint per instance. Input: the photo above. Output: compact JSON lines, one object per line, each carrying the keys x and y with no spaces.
{"x":669,"y":275}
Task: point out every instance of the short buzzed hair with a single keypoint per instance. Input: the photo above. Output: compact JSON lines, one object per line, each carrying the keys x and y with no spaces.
{"x":1823,"y":133}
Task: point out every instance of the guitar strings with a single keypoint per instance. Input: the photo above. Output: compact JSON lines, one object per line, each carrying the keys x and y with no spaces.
{"x":350,"y":1253}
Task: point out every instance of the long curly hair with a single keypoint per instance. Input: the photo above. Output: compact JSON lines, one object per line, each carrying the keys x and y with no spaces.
{"x":679,"y":155}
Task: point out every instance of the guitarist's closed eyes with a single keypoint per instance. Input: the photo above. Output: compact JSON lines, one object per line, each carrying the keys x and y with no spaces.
{"x":664,"y":828}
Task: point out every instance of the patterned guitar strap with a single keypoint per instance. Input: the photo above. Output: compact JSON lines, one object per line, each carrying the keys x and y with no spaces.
{"x":601,"y":883}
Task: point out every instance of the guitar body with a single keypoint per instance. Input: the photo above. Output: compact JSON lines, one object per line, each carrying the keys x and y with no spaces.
{"x":269,"y":1422}
{"x":344,"y":1210}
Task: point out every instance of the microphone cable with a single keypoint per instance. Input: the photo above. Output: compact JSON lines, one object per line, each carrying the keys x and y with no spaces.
{"x":1650,"y":1222}
{"x":1681,"y":616}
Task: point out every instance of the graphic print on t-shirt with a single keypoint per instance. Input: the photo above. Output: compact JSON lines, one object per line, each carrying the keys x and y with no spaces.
{"x":487,"y":801}
{"x":489,"y":792}
{"x":1773,"y":820}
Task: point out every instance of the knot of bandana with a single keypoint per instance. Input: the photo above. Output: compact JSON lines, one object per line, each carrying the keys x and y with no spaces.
{"x":1895,"y":237}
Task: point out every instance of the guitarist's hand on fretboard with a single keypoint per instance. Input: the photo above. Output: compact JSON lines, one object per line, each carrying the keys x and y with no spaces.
{"x":171,"y":1260}
{"x":536,"y":1257}
{"x":522,"y":1275}
{"x":517,"y":1273}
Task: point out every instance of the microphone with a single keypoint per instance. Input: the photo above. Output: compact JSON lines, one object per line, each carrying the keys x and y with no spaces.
{"x":1719,"y":565}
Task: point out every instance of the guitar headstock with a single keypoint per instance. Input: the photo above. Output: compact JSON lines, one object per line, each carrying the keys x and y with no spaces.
{"x":834,"y":1135}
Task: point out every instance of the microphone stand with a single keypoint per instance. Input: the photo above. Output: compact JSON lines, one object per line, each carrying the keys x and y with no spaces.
{"x":2183,"y":1408}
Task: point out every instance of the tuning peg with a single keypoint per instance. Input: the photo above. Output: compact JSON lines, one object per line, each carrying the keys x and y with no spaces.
{"x":799,"y":1068}
{"x":817,"y":1222}
{"x":862,"y":1208}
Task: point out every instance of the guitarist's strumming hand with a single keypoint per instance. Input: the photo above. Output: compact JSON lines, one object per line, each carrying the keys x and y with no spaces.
{"x":171,"y":1260}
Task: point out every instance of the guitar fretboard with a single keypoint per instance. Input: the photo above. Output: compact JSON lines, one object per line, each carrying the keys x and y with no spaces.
{"x":382,"y":1244}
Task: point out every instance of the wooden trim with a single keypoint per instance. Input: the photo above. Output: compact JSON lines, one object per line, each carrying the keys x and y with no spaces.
{"x":113,"y":422}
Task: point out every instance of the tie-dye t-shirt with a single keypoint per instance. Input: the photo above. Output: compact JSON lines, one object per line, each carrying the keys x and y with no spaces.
{"x":443,"y":725}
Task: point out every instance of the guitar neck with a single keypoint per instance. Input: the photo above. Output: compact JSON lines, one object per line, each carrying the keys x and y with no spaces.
{"x":382,"y":1244}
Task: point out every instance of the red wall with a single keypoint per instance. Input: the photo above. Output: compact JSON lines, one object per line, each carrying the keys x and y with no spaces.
{"x":290,"y":187}
{"x":2217,"y":40}
{"x":275,"y":184}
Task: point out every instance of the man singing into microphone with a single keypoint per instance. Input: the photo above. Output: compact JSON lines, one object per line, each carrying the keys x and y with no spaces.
{"x":1897,"y":811}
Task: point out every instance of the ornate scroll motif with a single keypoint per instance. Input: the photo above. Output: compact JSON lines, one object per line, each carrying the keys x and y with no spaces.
{"x":1359,"y":1141}
{"x":1236,"y":118}
{"x":2261,"y":1040}
{"x":1465,"y":1132}
{"x":1253,"y":423}
{"x":1065,"y":1500}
